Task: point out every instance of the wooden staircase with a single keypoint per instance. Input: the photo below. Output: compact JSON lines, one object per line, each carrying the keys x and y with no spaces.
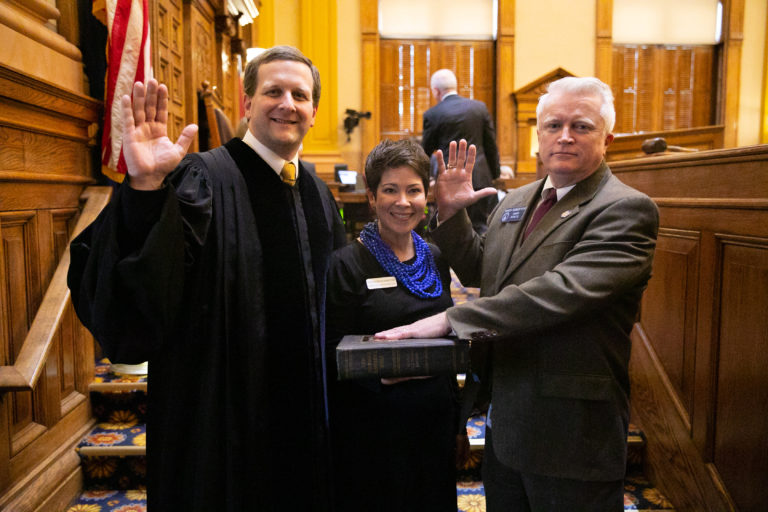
{"x":113,"y":454}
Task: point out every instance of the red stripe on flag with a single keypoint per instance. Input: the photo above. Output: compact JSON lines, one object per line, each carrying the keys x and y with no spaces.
{"x":116,"y":44}
{"x":133,"y":69}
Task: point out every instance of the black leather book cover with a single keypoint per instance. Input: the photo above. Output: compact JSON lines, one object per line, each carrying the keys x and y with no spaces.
{"x":361,"y":356}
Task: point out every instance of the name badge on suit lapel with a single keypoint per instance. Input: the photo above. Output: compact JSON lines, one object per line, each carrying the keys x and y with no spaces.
{"x":513,"y":215}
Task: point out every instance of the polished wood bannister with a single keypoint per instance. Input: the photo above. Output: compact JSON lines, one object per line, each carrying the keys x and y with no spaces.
{"x":23,"y":374}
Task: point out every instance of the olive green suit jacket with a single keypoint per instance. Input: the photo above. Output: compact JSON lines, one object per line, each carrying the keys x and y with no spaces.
{"x":557,"y":311}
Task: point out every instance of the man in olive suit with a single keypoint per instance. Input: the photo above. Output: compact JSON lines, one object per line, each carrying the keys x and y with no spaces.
{"x":561,"y":272}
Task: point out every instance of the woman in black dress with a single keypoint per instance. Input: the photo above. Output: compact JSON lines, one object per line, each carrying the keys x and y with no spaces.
{"x":394,"y":440}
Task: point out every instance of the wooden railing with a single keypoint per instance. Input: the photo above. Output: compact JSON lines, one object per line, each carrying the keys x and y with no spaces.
{"x":24,"y":373}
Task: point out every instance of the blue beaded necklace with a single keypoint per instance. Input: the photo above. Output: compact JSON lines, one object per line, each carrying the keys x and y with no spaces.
{"x":421,"y":277}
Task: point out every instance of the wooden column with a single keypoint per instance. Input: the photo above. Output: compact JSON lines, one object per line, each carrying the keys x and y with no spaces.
{"x":369,"y":29}
{"x":31,"y":47}
{"x":167,"y":46}
{"x":505,"y":83}
{"x":733,"y":36}
{"x":764,"y":108}
{"x":199,"y":54}
{"x":604,"y":41}
{"x":318,"y":42}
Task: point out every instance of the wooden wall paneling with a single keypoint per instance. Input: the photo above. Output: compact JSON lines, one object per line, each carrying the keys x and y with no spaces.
{"x":199,"y":55}
{"x":68,"y":375}
{"x":5,"y":358}
{"x":623,"y":99}
{"x":483,"y":56}
{"x":740,"y":441}
{"x":19,"y":238}
{"x":37,"y":457}
{"x":406,"y":67}
{"x":719,"y":460}
{"x":669,"y":312}
{"x":46,"y":396}
{"x":228,"y":60}
{"x":389,"y":117}
{"x":421,"y":72}
{"x":662,"y":87}
{"x":506,"y":128}
{"x":167,"y":45}
{"x":672,"y":462}
{"x":45,"y":137}
{"x":649,"y":90}
{"x":704,"y":100}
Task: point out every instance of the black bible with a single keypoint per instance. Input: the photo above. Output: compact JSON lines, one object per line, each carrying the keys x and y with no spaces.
{"x":361,"y":356}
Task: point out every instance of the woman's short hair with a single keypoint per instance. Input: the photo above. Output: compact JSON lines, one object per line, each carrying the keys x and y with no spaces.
{"x":588,"y":86}
{"x":391,"y":154}
{"x":251,"y":73}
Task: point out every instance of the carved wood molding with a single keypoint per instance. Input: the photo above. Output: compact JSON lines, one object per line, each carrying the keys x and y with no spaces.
{"x":44,"y":482}
{"x":712,"y":202}
{"x":43,"y":10}
{"x":24,"y":373}
{"x":710,"y":157}
{"x":46,"y":95}
{"x":674,"y":462}
{"x":21,"y":177}
{"x":27,"y":25}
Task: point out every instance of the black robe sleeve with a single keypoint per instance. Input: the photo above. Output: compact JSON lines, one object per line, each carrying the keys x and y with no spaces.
{"x":126,"y":273}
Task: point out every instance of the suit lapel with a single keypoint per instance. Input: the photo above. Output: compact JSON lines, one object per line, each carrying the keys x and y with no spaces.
{"x":563,"y":211}
{"x":512,"y":231}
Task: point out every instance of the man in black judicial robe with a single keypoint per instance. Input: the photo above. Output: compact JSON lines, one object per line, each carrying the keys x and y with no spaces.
{"x":214,"y":270}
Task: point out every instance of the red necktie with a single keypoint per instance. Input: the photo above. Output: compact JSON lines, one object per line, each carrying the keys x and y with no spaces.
{"x":550,"y":198}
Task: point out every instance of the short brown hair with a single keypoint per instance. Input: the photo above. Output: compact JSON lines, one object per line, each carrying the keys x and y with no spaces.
{"x":251,"y":74}
{"x":391,"y":154}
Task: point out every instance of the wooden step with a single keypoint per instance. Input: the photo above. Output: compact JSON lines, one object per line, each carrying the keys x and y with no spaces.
{"x":111,"y":500}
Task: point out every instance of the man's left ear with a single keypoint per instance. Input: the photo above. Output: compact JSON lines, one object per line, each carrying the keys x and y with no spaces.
{"x":608,"y":139}
{"x":314,"y":113}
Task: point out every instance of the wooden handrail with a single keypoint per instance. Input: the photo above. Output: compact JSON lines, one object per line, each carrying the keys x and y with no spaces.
{"x":23,"y":374}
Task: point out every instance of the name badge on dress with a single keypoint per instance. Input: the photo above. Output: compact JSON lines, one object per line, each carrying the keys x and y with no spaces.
{"x":513,"y":215}
{"x":376,"y":283}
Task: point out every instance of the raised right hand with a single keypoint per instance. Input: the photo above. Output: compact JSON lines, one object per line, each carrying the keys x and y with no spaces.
{"x":149,"y":153}
{"x":453,"y":189}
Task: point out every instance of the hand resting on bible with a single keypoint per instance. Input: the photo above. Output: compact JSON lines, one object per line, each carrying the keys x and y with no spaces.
{"x":435,"y":326}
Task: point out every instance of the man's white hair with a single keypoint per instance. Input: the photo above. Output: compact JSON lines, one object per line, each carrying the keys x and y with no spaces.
{"x":588,"y":86}
{"x":443,"y":80}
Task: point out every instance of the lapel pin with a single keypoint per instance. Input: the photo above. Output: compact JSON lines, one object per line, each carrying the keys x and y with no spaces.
{"x":566,"y":213}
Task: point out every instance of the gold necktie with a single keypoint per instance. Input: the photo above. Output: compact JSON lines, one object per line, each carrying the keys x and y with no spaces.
{"x":289,"y":173}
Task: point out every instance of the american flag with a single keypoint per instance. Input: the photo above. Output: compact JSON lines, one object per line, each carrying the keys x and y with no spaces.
{"x":128,"y":61}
